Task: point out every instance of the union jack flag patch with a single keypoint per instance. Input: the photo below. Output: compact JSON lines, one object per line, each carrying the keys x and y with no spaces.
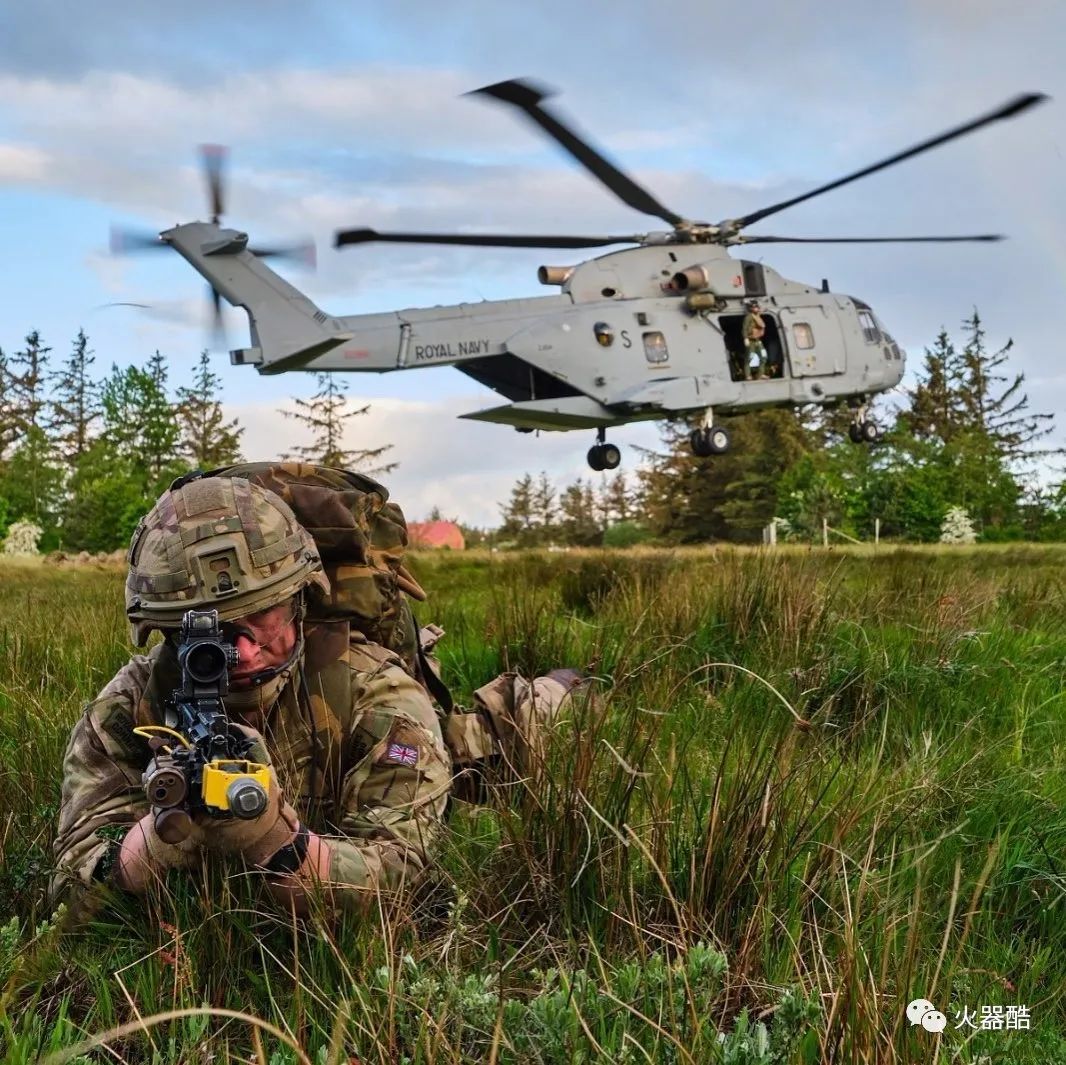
{"x":401,"y":754}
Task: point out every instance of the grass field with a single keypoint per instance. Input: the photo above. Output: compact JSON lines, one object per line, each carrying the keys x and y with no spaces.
{"x":824,"y":784}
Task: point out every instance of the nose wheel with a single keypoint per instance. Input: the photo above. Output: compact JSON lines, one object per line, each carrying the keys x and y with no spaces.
{"x":604,"y":456}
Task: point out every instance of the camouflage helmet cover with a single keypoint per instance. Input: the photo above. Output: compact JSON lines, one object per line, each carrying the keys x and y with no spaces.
{"x":216,"y":543}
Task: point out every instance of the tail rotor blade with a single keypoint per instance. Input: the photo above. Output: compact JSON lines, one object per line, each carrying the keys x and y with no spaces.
{"x":303,"y":254}
{"x":214,"y":163}
{"x":218,"y":325}
{"x":130,"y":241}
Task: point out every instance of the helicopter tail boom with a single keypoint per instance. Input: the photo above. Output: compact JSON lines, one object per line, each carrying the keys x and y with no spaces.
{"x":287,"y":330}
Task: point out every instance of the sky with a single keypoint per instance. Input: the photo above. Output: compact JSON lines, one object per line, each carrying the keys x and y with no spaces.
{"x":340,"y":115}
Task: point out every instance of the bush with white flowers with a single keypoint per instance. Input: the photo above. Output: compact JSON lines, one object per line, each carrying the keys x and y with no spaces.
{"x":22,"y":538}
{"x":957,"y":528}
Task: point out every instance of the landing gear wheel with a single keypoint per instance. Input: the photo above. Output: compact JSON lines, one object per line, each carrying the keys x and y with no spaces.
{"x":698,"y":442}
{"x":707,"y":442}
{"x":718,"y":440}
{"x":855,"y":433}
{"x":871,"y":432}
{"x":610,"y":456}
{"x":604,"y":457}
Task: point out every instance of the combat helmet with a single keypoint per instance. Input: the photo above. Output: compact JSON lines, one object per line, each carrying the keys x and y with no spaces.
{"x":216,"y":543}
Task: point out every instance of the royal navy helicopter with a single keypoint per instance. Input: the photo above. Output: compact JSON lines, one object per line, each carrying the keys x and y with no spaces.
{"x":646,"y":332}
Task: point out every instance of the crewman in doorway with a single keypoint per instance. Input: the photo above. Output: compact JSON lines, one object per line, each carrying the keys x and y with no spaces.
{"x":754,"y":331}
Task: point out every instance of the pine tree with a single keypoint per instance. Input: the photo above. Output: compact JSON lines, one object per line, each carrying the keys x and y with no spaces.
{"x":31,"y":480}
{"x":8,"y":419}
{"x":122,"y":471}
{"x":326,"y":414}
{"x":75,"y":403}
{"x":207,"y":439}
{"x":139,"y":424}
{"x":518,"y":513}
{"x":159,"y":429}
{"x":544,"y":509}
{"x":992,"y":403}
{"x":934,"y":401}
{"x":578,"y":522}
{"x":26,"y":373}
{"x":616,"y":501}
{"x":978,"y":417}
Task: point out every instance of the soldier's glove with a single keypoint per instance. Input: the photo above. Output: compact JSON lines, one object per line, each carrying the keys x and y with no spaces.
{"x":144,"y":858}
{"x":257,"y":840}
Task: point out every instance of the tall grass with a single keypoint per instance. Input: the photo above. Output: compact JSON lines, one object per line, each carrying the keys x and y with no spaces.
{"x":810,"y":788}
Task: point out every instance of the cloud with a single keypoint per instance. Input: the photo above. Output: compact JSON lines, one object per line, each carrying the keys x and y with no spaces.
{"x":465,"y":468}
{"x":340,"y":121}
{"x":22,"y":164}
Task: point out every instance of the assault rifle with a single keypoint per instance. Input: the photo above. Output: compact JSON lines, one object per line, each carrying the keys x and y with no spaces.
{"x":206,"y":771}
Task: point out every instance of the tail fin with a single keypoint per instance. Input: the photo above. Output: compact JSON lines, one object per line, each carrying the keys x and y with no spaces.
{"x":287,"y":330}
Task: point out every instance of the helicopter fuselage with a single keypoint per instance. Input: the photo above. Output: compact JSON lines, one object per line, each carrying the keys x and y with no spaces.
{"x":636,"y":334}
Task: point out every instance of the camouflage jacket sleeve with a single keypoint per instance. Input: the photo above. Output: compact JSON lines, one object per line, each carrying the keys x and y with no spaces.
{"x":101,"y":778}
{"x":395,"y":784}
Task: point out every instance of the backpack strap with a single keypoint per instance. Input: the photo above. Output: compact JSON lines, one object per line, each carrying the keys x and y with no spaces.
{"x":429,"y":675}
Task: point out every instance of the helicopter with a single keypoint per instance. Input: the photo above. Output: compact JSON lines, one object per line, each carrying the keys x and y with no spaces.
{"x":650,"y":331}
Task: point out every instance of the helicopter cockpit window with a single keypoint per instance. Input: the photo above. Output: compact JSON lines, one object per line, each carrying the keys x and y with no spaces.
{"x":655,"y":347}
{"x":803,"y":335}
{"x":870,"y":333}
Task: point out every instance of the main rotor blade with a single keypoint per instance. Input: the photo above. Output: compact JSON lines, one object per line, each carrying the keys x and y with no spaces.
{"x":476,"y":240}
{"x":214,"y":161}
{"x":1008,"y":110}
{"x":527,"y":97}
{"x":869,"y":240}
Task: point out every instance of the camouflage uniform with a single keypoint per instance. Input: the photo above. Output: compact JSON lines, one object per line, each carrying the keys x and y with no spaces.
{"x":754,"y":329}
{"x":379,"y":811}
{"x":355,"y":742}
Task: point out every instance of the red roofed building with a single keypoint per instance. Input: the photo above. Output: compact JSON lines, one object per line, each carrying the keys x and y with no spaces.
{"x":435,"y":534}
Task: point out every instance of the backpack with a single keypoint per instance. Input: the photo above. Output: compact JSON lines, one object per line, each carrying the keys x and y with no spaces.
{"x":361,"y":537}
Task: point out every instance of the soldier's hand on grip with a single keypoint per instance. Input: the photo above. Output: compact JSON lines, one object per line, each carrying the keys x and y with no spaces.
{"x":144,"y":857}
{"x":257,"y":839}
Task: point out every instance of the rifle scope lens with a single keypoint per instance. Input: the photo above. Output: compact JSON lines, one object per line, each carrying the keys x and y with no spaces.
{"x":206,"y":662}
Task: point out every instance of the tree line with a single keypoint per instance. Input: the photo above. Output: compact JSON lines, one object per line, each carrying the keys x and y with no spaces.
{"x":83,"y":457}
{"x":963,"y":437}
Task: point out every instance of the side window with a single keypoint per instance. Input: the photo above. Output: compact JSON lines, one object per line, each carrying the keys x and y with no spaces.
{"x":803,"y":335}
{"x":754,"y":279}
{"x":655,"y":347}
{"x":870,"y":333}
